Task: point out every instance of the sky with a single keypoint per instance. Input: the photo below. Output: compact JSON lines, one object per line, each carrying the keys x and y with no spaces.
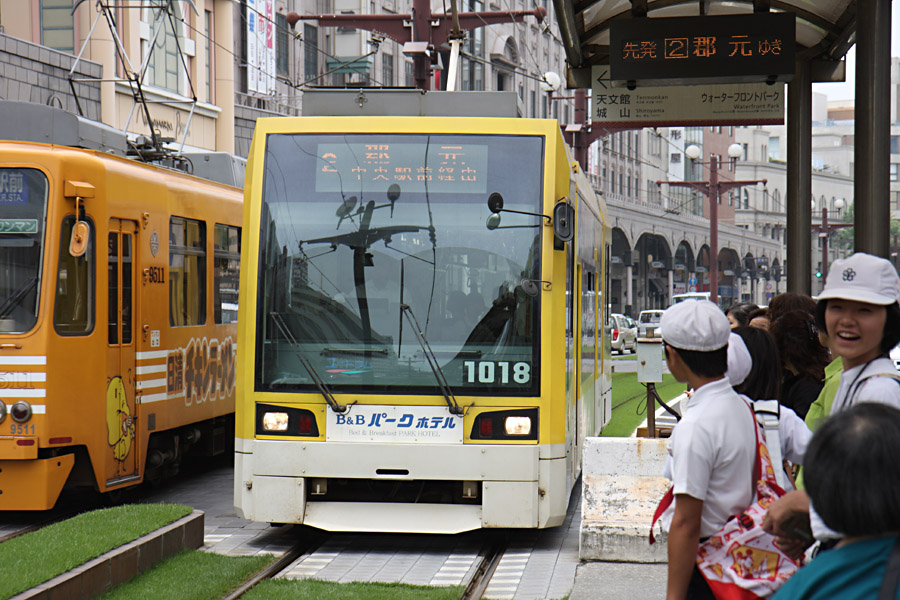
{"x":846,"y":90}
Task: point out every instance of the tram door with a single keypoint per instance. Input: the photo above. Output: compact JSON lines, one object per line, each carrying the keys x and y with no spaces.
{"x":122,"y":454}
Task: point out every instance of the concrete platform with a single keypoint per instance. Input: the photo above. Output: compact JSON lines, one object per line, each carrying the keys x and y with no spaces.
{"x":619,"y":581}
{"x":622,"y":485}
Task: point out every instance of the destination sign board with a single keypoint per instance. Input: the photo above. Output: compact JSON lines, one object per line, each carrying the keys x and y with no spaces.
{"x":685,"y":105}
{"x":417,"y":167}
{"x":728,"y":49}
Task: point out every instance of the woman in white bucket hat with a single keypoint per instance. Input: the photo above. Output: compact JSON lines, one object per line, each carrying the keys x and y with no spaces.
{"x":859,"y":311}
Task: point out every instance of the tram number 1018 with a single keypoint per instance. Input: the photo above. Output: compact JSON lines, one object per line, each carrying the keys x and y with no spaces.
{"x":489,"y":371}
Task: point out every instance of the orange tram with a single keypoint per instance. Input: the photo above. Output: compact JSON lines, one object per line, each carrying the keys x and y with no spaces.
{"x":118,"y":312}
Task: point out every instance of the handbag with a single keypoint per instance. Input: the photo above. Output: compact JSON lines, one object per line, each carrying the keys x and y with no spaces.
{"x":741,"y":561}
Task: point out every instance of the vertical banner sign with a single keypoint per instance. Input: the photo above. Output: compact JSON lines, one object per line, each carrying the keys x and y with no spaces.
{"x":269,"y":64}
{"x":252,"y":50}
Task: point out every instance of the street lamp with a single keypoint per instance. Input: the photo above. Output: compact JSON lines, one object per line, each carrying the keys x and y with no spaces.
{"x":713,"y":190}
{"x":825,"y":231}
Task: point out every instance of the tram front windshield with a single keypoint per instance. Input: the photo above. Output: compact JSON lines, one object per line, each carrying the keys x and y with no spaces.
{"x":366,"y":238}
{"x":23,"y":206}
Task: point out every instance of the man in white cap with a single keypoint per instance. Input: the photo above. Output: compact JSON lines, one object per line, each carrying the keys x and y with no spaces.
{"x":712,"y":448}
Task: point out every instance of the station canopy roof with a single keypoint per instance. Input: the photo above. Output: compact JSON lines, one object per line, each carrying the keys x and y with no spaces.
{"x":825,"y":29}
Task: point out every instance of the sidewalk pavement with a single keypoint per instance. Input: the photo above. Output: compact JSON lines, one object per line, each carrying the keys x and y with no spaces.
{"x":619,"y":581}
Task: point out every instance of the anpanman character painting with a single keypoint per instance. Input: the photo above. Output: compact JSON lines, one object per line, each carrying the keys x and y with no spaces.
{"x":119,"y":421}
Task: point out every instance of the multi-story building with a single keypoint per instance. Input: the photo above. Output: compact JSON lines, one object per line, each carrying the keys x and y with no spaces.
{"x":208,"y":68}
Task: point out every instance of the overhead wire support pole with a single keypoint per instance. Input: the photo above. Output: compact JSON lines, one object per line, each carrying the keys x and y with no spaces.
{"x":428,"y":32}
{"x":713,"y":190}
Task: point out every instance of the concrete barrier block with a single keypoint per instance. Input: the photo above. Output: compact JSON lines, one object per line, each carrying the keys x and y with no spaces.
{"x":622,"y":485}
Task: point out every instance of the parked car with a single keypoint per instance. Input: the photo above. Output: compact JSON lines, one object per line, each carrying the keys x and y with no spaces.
{"x":622,"y":335}
{"x":648,"y":323}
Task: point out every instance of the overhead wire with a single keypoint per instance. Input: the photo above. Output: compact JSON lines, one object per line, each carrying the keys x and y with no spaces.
{"x":260,"y":69}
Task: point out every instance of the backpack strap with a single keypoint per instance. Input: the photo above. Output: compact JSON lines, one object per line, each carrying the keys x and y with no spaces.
{"x":861,"y":379}
{"x":767,"y":413}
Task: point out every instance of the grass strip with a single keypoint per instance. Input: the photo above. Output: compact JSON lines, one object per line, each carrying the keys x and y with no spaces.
{"x":629,"y":402}
{"x":35,"y":557}
{"x":285,"y":589}
{"x":191,"y":575}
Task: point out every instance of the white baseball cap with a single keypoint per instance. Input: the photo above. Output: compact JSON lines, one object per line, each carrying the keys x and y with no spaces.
{"x":864,"y":278}
{"x":695,"y":325}
{"x":739,"y":360}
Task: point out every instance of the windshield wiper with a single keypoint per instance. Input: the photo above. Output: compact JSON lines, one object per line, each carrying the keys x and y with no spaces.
{"x":295,"y":346}
{"x":17,"y":297}
{"x":432,"y":361}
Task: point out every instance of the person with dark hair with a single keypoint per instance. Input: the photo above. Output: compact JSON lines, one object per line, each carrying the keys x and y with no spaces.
{"x":859,"y":311}
{"x":853,"y":482}
{"x":789,"y":301}
{"x":759,"y":318}
{"x":803,"y":359}
{"x":755,"y":372}
{"x":712,"y":448}
{"x":739,"y":314}
{"x":763,"y":382}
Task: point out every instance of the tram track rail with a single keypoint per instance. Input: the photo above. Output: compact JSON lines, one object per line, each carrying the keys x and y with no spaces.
{"x":477,"y":586}
{"x":307,"y":545}
{"x":36,"y":526}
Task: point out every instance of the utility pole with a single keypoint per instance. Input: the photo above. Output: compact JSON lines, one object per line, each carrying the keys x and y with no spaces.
{"x":421,"y":32}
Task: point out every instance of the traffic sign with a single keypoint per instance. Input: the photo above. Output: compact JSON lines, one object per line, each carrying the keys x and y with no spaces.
{"x":692,"y":288}
{"x":692,"y":281}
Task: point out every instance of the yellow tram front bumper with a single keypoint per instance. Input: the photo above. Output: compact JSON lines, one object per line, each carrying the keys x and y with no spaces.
{"x":33,"y":484}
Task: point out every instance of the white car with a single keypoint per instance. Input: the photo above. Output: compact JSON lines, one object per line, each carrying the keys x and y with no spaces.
{"x":648,"y":323}
{"x":895,"y":356}
{"x":621,"y":334}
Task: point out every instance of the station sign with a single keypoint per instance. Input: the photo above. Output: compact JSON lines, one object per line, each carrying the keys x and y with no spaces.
{"x":756,"y":47}
{"x":687,"y":105}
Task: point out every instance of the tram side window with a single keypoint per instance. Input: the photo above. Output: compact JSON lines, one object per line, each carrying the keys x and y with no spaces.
{"x":73,"y":312}
{"x":187,"y":272}
{"x":227,"y":262}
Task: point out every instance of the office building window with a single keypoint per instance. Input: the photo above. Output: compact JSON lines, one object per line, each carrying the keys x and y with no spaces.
{"x":207,"y":53}
{"x":165,"y":68}
{"x":310,"y":52}
{"x":58,"y":25}
{"x":281,"y":44}
{"x":387,"y":69}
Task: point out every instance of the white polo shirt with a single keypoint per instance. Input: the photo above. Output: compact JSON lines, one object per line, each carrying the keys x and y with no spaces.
{"x":713,"y":450}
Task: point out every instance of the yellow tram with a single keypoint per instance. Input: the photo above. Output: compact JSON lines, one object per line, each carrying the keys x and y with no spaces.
{"x":421,"y":324}
{"x":118,"y":311}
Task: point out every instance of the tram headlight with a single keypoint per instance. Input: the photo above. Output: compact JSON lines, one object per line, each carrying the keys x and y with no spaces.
{"x":275,"y":421}
{"x":2,"y":410}
{"x":20,"y":411}
{"x":517,"y":425}
{"x":272,"y":419}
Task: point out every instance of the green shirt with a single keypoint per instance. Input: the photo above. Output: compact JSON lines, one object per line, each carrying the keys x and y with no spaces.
{"x":821,"y":408}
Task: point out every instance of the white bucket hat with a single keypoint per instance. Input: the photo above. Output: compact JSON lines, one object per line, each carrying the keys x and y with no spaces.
{"x":696,"y":325}
{"x":864,"y":278}
{"x":739,"y":360}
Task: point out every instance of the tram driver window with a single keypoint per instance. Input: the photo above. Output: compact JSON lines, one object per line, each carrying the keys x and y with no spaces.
{"x":187,"y":272}
{"x":73,"y":312}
